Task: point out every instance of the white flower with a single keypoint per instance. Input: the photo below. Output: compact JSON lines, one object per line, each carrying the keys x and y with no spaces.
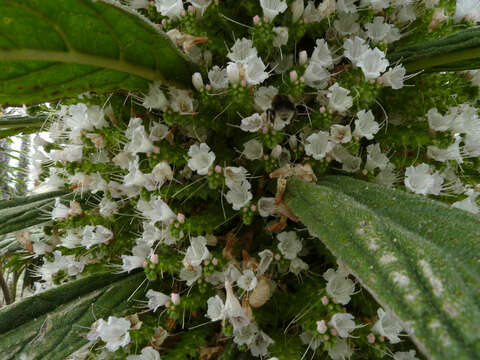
{"x":140,"y":142}
{"x":346,"y":6}
{"x":161,"y":172}
{"x":394,"y":77}
{"x":169,"y":8}
{"x":255,"y":71}
{"x":245,"y":335}
{"x":148,"y":353}
{"x":247,"y":281}
{"x":242,"y":51}
{"x":452,"y":152}
{"x":71,"y":240}
{"x":191,"y":275}
{"x":201,"y":4}
{"x":97,"y":234}
{"x":235,"y":176}
{"x":387,"y":177}
{"x":155,"y":99}
{"x":338,"y":98}
{"x":140,"y":253}
{"x":282,"y":36}
{"x":215,"y":308}
{"x":354,"y":49}
{"x":311,"y":341}
{"x":347,"y":24}
{"x":422,"y":180}
{"x":288,"y":244}
{"x":266,"y":258}
{"x":272,"y":8}
{"x":365,"y":126}
{"x":266,"y":206}
{"x":376,"y":4}
{"x":137,"y":4}
{"x":340,"y":133}
{"x":339,"y":286}
{"x":239,"y":195}
{"x":321,"y":54}
{"x":468,"y":204}
{"x":253,"y":150}
{"x":263,"y":97}
{"x":297,"y":8}
{"x":260,"y":344}
{"x":387,"y":326}
{"x":378,"y":30}
{"x":252,"y":123}
{"x":372,"y":63}
{"x":343,"y":323}
{"x":114,"y":332}
{"x":340,"y":351}
{"x":467,"y":9}
{"x":218,"y":78}
{"x":318,"y":145}
{"x":201,"y":158}
{"x":375,"y":158}
{"x":181,"y":101}
{"x":405,"y":355}
{"x":233,"y":310}
{"x":297,"y":265}
{"x":311,"y":13}
{"x":316,"y":76}
{"x":60,"y":211}
{"x":155,"y":210}
{"x":437,"y":121}
{"x":156,"y":299}
{"x":232,"y":273}
{"x":196,"y":252}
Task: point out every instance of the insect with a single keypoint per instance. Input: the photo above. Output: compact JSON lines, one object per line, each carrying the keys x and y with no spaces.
{"x":282,"y":111}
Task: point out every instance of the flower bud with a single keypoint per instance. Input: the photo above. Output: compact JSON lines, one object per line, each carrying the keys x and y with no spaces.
{"x":321,"y":327}
{"x":293,"y":76}
{"x":175,"y":298}
{"x":154,"y":258}
{"x":302,"y":57}
{"x":197,"y":81}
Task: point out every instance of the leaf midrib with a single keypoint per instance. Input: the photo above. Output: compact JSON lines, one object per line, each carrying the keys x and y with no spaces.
{"x":80,"y":58}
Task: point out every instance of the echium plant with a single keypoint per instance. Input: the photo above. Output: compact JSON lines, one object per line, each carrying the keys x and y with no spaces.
{"x":243,"y":179}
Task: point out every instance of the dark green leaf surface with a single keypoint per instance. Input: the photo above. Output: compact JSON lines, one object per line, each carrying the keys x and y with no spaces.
{"x":60,"y":48}
{"x":23,"y":212}
{"x":50,"y":325}
{"x":455,"y":52}
{"x":13,"y":125}
{"x":418,"y":257}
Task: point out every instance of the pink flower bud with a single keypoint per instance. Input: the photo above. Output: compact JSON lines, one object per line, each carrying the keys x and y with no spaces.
{"x":293,"y":76}
{"x":181,"y":218}
{"x":302,"y":57}
{"x":218,"y":169}
{"x":175,"y":298}
{"x":256,"y":20}
{"x":321,"y":327}
{"x":277,"y":257}
{"x":154,"y":258}
{"x":322,"y":109}
{"x":380,"y":80}
{"x":215,"y":261}
{"x":253,"y":208}
{"x":371,"y":338}
{"x":265,"y":129}
{"x":324,"y":300}
{"x":333,"y":332}
{"x":144,"y":264}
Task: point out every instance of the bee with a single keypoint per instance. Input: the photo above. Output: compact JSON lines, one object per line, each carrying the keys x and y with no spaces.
{"x":282,"y":111}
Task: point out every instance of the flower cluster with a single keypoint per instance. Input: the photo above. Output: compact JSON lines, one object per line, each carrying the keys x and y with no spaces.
{"x":178,"y":181}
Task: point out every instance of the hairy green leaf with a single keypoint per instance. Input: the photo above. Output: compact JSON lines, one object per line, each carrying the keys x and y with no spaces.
{"x":14,"y":125}
{"x":418,"y":257}
{"x":455,"y":52}
{"x":26,"y":211}
{"x":51,"y":49}
{"x":50,"y":325}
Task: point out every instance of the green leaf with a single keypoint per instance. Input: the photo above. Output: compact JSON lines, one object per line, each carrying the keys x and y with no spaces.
{"x":455,"y":52}
{"x":26,"y":211}
{"x":50,"y":325}
{"x":417,"y":257}
{"x":14,"y":125}
{"x":60,"y":48}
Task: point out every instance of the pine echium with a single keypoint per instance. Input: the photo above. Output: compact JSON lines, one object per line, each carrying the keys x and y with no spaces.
{"x":223,"y":179}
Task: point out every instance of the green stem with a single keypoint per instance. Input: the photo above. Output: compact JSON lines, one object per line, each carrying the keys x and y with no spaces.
{"x":443,"y":59}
